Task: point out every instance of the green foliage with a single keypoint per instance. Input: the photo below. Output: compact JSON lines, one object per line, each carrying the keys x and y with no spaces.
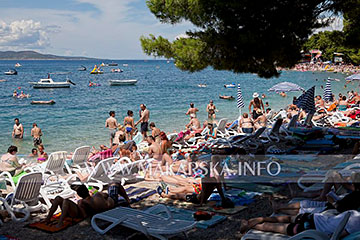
{"x":253,"y":36}
{"x":330,"y":42}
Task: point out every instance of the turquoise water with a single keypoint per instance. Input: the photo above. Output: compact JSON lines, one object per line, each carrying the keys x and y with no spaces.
{"x":79,"y":114}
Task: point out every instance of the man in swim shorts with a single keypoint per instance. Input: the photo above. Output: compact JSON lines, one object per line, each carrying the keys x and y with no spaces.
{"x":144,"y":120}
{"x":111,"y":123}
{"x":18,"y":131}
{"x":36,"y":134}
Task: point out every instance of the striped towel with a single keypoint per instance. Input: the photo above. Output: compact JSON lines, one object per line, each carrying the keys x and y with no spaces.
{"x":136,"y":194}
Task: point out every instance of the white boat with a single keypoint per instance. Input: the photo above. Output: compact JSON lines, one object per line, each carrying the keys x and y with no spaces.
{"x":125,"y":65}
{"x":17,"y":65}
{"x":122,"y":82}
{"x":11,"y":72}
{"x":49,"y":83}
{"x":230,"y":85}
{"x":202,"y":85}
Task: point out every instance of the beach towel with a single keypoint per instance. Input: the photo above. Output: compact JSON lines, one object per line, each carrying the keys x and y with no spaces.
{"x":183,"y":214}
{"x":137,"y":194}
{"x":51,"y":227}
{"x":6,"y":237}
{"x":101,"y":155}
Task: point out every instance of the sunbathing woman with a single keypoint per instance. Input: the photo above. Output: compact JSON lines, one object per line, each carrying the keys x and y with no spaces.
{"x":290,"y":225}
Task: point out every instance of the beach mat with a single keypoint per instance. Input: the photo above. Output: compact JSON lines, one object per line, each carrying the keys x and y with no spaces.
{"x":187,"y":215}
{"x":51,"y":227}
{"x":137,"y":194}
{"x":211,"y":206}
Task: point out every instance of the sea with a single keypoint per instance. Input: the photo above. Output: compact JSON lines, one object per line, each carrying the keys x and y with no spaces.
{"x":78,"y":117}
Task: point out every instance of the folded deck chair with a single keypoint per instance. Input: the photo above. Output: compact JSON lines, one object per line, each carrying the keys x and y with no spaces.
{"x":53,"y":171}
{"x":152,"y":225}
{"x":221,"y":130}
{"x":26,"y":193}
{"x":79,"y":158}
{"x":100,"y":175}
{"x":308,"y":234}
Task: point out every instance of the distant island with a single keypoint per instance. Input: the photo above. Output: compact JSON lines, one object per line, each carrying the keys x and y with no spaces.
{"x":32,"y":55}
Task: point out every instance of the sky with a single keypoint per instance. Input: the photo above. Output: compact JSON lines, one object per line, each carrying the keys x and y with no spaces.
{"x":93,"y":28}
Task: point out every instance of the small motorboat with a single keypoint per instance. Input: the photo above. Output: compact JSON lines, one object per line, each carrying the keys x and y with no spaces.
{"x":82,"y":68}
{"x":116,"y":70}
{"x":202,"y":85}
{"x":11,"y":72}
{"x":230,"y":85}
{"x":104,"y":65}
{"x":125,"y":65}
{"x":49,"y":83}
{"x":122,"y":82}
{"x":17,"y":65}
{"x":50,"y":102}
{"x":112,"y":64}
{"x":226,"y":97}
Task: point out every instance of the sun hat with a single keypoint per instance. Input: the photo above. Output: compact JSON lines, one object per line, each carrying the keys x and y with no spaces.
{"x":255,"y":95}
{"x":258,"y":111}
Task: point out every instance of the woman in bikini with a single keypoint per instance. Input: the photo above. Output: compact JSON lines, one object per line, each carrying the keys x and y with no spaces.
{"x":246,"y":125}
{"x":129,"y":125}
{"x":210,"y":109}
{"x":261,"y":120}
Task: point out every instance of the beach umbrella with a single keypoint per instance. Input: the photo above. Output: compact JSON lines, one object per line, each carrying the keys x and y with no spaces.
{"x":327,"y":91}
{"x":285,"y":87}
{"x":306,"y":101}
{"x":354,"y":77}
{"x":240,"y":100}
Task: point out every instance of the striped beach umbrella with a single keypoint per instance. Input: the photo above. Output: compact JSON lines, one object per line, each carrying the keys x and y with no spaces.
{"x":306,"y":101}
{"x":240,"y":100}
{"x":327,"y":91}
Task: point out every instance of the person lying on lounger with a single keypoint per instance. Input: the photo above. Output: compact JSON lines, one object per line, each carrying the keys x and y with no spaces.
{"x":291,"y":225}
{"x":198,"y":187}
{"x":88,"y":205}
{"x":333,"y":180}
{"x":351,"y":201}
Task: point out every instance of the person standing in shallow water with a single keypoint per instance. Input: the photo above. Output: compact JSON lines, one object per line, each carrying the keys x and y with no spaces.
{"x":144,"y":120}
{"x":18,"y":131}
{"x":256,"y":103}
{"x":36,"y":133}
{"x":211,"y":109}
{"x":111,"y":124}
{"x":192,"y":111}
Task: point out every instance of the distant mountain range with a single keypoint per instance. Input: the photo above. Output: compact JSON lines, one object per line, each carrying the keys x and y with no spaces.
{"x":32,"y":55}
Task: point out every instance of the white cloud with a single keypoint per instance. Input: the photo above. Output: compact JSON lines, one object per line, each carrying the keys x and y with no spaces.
{"x":25,"y":34}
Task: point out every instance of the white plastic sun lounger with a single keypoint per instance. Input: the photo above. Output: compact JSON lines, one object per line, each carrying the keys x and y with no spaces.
{"x":79,"y":158}
{"x":308,"y":234}
{"x":26,"y":193}
{"x":319,"y":177}
{"x":150,"y":224}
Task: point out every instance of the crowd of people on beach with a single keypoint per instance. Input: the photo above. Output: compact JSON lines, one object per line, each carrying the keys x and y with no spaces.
{"x":321,"y":67}
{"x":194,"y":180}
